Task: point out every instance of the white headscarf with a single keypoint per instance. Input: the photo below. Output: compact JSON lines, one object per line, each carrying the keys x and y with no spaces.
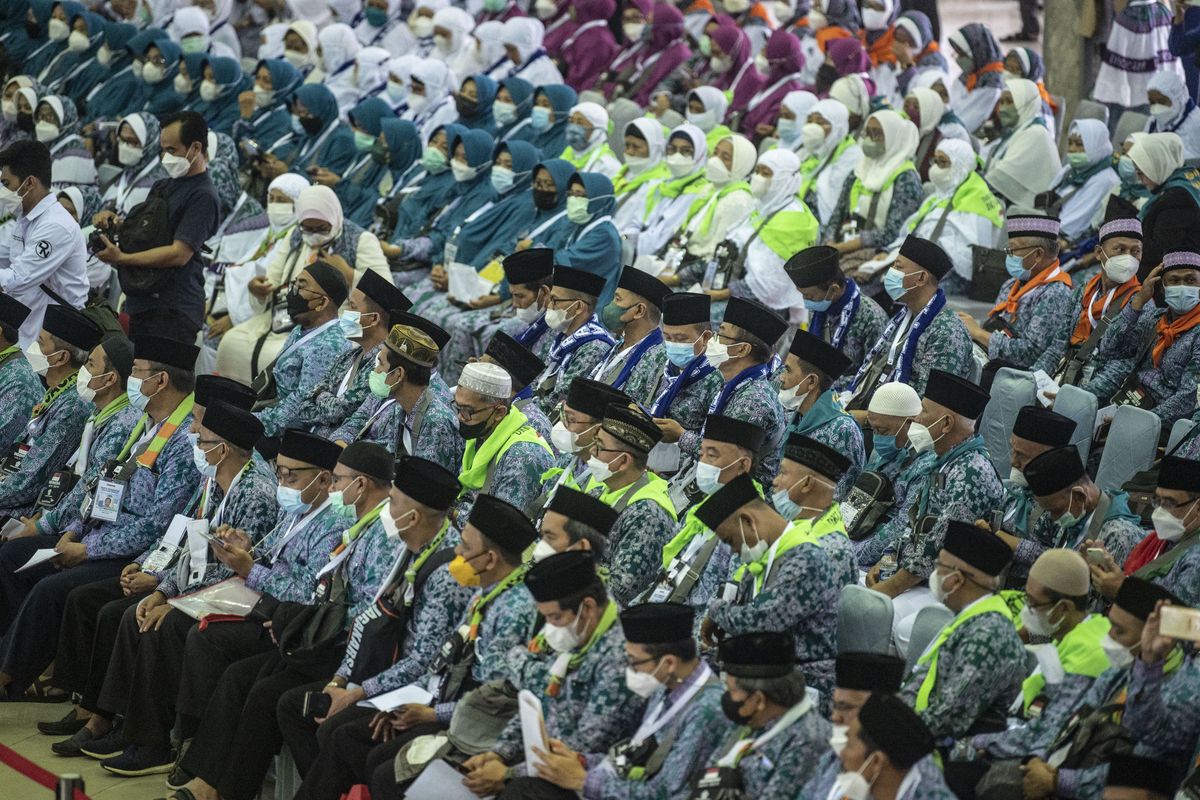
{"x":490,"y":36}
{"x":656,"y":142}
{"x":459,"y":23}
{"x":438,"y":80}
{"x":899,"y":145}
{"x":930,"y":108}
{"x":292,"y":185}
{"x":852,"y":91}
{"x":313,"y":12}
{"x":339,"y":46}
{"x":320,"y":203}
{"x":371,"y":63}
{"x":595,"y":114}
{"x":785,"y":179}
{"x":835,"y":113}
{"x":799,"y":103}
{"x":525,"y":34}
{"x":190,"y":21}
{"x":1026,"y":98}
{"x":926,"y":78}
{"x":714,"y":101}
{"x":270,"y":40}
{"x":1096,"y":143}
{"x":1157,"y":155}
{"x":346,"y":10}
{"x":1171,"y":84}
{"x":698,"y":140}
{"x":744,"y":156}
{"x":962,"y":163}
{"x":307,"y":31}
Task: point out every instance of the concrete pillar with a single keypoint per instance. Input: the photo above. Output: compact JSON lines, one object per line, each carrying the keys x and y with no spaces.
{"x":1070,"y":67}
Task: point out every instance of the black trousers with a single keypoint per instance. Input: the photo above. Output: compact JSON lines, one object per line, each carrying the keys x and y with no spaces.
{"x":89,"y":633}
{"x":534,"y":789}
{"x":154,"y":681}
{"x":166,"y":322}
{"x":238,"y":733}
{"x":303,"y":737}
{"x":1029,"y":17}
{"x":32,"y":638}
{"x":210,"y":650}
{"x":14,"y":586}
{"x":351,"y":756}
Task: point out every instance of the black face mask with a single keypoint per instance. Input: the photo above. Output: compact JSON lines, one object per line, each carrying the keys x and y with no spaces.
{"x":465,"y":105}
{"x":296,"y":304}
{"x":33,"y":30}
{"x":545,"y":200}
{"x":474,"y":430}
{"x":25,"y":122}
{"x":826,"y":75}
{"x":732,"y":710}
{"x":312,"y":125}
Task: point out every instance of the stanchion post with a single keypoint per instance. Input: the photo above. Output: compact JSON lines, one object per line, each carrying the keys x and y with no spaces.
{"x":67,"y":784}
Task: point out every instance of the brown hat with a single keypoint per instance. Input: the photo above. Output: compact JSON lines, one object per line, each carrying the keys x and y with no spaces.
{"x":412,"y":344}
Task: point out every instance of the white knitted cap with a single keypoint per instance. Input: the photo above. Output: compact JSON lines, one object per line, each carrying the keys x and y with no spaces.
{"x":895,"y":400}
{"x":489,"y":380}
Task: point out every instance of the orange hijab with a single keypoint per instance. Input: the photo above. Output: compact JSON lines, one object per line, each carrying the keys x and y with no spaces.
{"x":1094,"y":296}
{"x":973,"y":78}
{"x":880,"y":50}
{"x":1019,"y":290}
{"x":1168,"y":332}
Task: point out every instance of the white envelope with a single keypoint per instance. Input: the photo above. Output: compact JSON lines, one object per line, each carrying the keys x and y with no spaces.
{"x":38,"y":557}
{"x":404,"y":696}
{"x":466,"y":284}
{"x":440,"y":781}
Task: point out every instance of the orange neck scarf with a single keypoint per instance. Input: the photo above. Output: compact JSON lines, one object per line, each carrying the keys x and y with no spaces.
{"x":1094,"y":297}
{"x":1019,"y":290}
{"x":880,"y":50}
{"x":828,"y":34}
{"x":1168,"y":332}
{"x":1041,"y":87}
{"x":973,"y":78}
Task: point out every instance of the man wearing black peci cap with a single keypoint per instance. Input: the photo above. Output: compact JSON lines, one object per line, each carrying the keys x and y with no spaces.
{"x":574,"y":521}
{"x":580,"y":341}
{"x":575,"y":431}
{"x":309,"y":350}
{"x":743,"y":353}
{"x":689,"y":383}
{"x":681,"y":727}
{"x":523,"y":366}
{"x":636,"y":361}
{"x":730,"y":448}
{"x":20,"y":388}
{"x":971,"y":672}
{"x":962,"y":485}
{"x":765,"y":692}
{"x":365,"y":324}
{"x":645,"y":515}
{"x":422,"y":605}
{"x":795,"y":594}
{"x":806,"y":391}
{"x":238,"y":734}
{"x":886,"y":746}
{"x":804,"y":493}
{"x":237,"y":498}
{"x":838,"y":312}
{"x":923,"y":335}
{"x":499,"y":617}
{"x":580,"y":679}
{"x":53,"y":428}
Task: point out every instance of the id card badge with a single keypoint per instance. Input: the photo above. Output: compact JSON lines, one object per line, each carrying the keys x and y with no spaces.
{"x":449,"y":254}
{"x":168,"y":545}
{"x":198,"y":539}
{"x":729,"y":593}
{"x":15,"y":459}
{"x":661,"y":592}
{"x":56,"y":489}
{"x":106,"y":503}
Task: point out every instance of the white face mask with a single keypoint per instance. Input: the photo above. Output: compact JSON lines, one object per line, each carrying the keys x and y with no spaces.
{"x":57,"y":30}
{"x":1017,"y":477}
{"x":104,"y":55}
{"x":315,"y":240}
{"x":1167,"y":526}
{"x":10,"y":201}
{"x":37,"y":360}
{"x":1038,"y":622}
{"x":153,"y":73}
{"x":527,"y":314}
{"x":851,"y":786}
{"x":600,"y":470}
{"x":708,"y":477}
{"x":77,"y":42}
{"x":542,"y":550}
{"x":421,"y":26}
{"x":1118,"y":654}
{"x":839,"y":738}
{"x":1120,"y":268}
{"x":183,"y":84}
{"x":759,"y":186}
{"x":281,"y":215}
{"x":209,"y":91}
{"x":716,"y":353}
{"x":86,"y":393}
{"x":706,"y":120}
{"x":9,"y":109}
{"x":557,"y":319}
{"x":936,"y":581}
{"x":263,"y":97}
{"x":1162,"y":112}
{"x":296,"y":58}
{"x":46,"y":132}
{"x":920,"y":437}
{"x":564,"y":440}
{"x":643,"y":684}
{"x":790,"y":400}
{"x":634,"y":30}
{"x":463,"y":172}
{"x":562,"y":639}
{"x":544,"y":9}
{"x":874,"y":19}
{"x":128,"y":154}
{"x":679,"y":165}
{"x":749,"y":554}
{"x":441,"y":43}
{"x":812,"y":136}
{"x":942,"y":178}
{"x":175,"y":166}
{"x":716,"y":172}
{"x":390,"y":528}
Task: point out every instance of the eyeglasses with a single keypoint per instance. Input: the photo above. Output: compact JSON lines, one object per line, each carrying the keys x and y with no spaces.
{"x":639,"y":662}
{"x":1167,"y":504}
{"x":1012,"y":251}
{"x":466,"y":412}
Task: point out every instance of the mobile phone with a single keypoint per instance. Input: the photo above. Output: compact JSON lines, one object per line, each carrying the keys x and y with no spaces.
{"x":316,"y":704}
{"x":1180,"y":622}
{"x":251,"y":147}
{"x":1097,"y":556}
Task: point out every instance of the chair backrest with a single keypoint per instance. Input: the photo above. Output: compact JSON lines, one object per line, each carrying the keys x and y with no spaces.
{"x":1012,"y":390}
{"x":1090,"y":109}
{"x":1129,"y":122}
{"x":1131,"y":446}
{"x":1179,"y":431}
{"x":1060,"y":114}
{"x":1080,"y":406}
{"x":864,"y":621}
{"x":928,"y":624}
{"x":621,"y":112}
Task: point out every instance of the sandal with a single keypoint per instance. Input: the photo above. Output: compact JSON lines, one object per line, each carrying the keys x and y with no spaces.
{"x":42,"y":692}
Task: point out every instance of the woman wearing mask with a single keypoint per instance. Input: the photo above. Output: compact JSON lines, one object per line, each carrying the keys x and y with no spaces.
{"x":399,"y":149}
{"x":916,"y":48}
{"x":339,"y":46}
{"x":380,"y":26}
{"x":828,"y":154}
{"x":657,"y":69}
{"x":853,"y":92}
{"x":420,"y":27}
{"x":1023,"y":163}
{"x":489,"y":45}
{"x":514,"y":100}
{"x":1172,"y":111}
{"x":300,"y":48}
{"x":730,"y":59}
{"x":977,"y":90}
{"x":356,"y":187}
{"x":762,"y":109}
{"x":99,"y":274}
{"x":546,"y":128}
{"x":474,"y":102}
{"x":221,"y":32}
{"x":87,"y":32}
{"x":959,"y":212}
{"x":670,"y":200}
{"x":187,"y":79}
{"x":586,"y":136}
{"x":878,"y":34}
{"x":1169,"y":215}
{"x":58,"y":30}
{"x":881,"y":193}
{"x":644,"y":168}
{"x":189,"y":29}
{"x":430,"y":98}
{"x":1086,"y":179}
{"x":223,"y":81}
{"x":125,"y":89}
{"x":451,"y":34}
{"x":137,"y":154}
{"x":371,"y":71}
{"x":263,"y":115}
{"x":31,"y":35}
{"x":591,"y":47}
{"x":1024,"y":62}
{"x":842,"y":57}
{"x":161,"y":63}
{"x":428,"y":196}
{"x":399,"y":75}
{"x":110,"y":64}
{"x":56,"y":125}
{"x":527,"y":58}
{"x":706,"y":107}
{"x":793,"y":114}
{"x":321,"y":232}
{"x":18,"y":125}
{"x":319,"y":138}
{"x":634,"y":45}
{"x":924,"y":108}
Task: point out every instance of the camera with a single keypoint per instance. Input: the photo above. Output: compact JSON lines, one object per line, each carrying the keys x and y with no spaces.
{"x":95,"y":240}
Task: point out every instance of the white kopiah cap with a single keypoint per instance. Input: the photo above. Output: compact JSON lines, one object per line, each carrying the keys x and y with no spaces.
{"x":895,"y":400}
{"x":489,"y":380}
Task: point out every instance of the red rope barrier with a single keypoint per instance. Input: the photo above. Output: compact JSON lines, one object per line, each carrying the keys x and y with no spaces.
{"x":32,"y":771}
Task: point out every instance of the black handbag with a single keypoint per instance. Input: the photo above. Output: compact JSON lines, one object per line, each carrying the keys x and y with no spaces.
{"x":308,"y":634}
{"x":145,"y":227}
{"x":870,"y":500}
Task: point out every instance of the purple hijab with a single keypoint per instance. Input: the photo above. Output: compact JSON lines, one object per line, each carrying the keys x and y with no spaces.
{"x":849,"y":57}
{"x":588,"y":54}
{"x":786,"y":61}
{"x":734,"y":43}
{"x":633,"y":52}
{"x":667,"y":51}
{"x":558,"y":29}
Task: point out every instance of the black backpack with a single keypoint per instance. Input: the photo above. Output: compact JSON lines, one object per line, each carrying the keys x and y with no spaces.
{"x":146,"y":226}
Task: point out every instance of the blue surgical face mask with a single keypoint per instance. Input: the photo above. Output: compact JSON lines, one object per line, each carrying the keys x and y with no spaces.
{"x":884,"y":446}
{"x":788,"y":130}
{"x":893,"y":283}
{"x":1016,"y":267}
{"x":784,"y":504}
{"x":680,"y":353}
{"x":577,"y":138}
{"x":200,"y":457}
{"x":817,"y":306}
{"x":133,"y":390}
{"x":539,"y":119}
{"x":1128,"y":171}
{"x":1181,"y":299}
{"x":289,"y":499}
{"x":502,"y":179}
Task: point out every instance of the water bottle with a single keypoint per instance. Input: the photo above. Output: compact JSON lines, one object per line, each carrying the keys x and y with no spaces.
{"x":887,"y":563}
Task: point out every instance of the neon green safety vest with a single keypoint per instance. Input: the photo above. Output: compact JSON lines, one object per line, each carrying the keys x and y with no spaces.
{"x":585,"y":161}
{"x":858,"y":189}
{"x":711,"y":209}
{"x":1079,"y":652}
{"x":477,"y":466}
{"x":655,"y":489}
{"x":972,"y":196}
{"x":992,"y":604}
{"x":808,"y":170}
{"x":788,"y":231}
{"x":690,"y":529}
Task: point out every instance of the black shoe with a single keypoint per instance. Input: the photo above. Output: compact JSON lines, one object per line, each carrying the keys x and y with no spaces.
{"x":110,"y":745}
{"x":71,"y":747}
{"x":178,"y":778}
{"x":67,"y":726}
{"x":1020,"y":37}
{"x":137,"y":760}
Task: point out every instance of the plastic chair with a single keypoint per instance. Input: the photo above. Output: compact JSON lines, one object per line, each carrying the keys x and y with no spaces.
{"x":1012,"y":390}
{"x":864,"y":621}
{"x":1131,"y":446}
{"x":1129,"y":122}
{"x":1090,"y":109}
{"x":1179,"y":431}
{"x":1080,"y":406}
{"x":928,"y":624}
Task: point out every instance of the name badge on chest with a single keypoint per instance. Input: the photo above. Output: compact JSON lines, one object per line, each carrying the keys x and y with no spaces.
{"x":15,"y":459}
{"x":110,"y":492}
{"x":56,"y":489}
{"x":168,"y":546}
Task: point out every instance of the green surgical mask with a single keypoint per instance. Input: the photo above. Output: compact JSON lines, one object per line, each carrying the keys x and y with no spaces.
{"x":377,"y":382}
{"x":872,"y":148}
{"x":192,"y":44}
{"x":1009,"y":116}
{"x":339,"y":506}
{"x":1078,"y":161}
{"x":577,"y":210}
{"x":364,"y":142}
{"x":433,"y":160}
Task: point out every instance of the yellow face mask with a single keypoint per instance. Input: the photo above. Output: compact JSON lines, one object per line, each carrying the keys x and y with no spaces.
{"x":462,"y":571}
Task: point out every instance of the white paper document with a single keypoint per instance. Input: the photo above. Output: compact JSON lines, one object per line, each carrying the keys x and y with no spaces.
{"x":440,"y":781}
{"x":465,"y":284}
{"x":38,"y":557}
{"x":230,"y":597}
{"x":1045,"y":386}
{"x":533,"y":728}
{"x":11,"y":528}
{"x":404,"y":696}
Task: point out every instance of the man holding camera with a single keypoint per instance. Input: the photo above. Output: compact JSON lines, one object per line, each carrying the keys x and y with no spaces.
{"x":174,"y":307}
